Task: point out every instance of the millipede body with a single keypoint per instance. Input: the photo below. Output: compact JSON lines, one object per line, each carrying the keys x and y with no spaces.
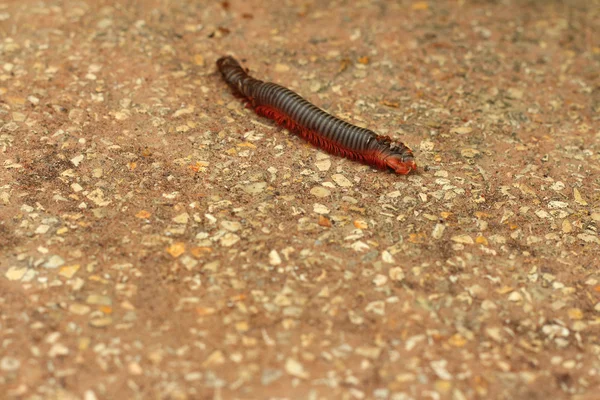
{"x":315,"y":125}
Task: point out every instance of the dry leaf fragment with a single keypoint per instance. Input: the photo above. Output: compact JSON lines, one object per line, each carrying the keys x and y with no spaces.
{"x":324,"y":221}
{"x":420,"y":6}
{"x":176,"y":249}
{"x":388,"y":103}
{"x":143,"y":214}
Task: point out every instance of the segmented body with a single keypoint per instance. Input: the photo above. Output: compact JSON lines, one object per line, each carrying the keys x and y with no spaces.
{"x":315,"y":125}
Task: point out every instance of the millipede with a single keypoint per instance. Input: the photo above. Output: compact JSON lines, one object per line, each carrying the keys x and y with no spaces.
{"x":323,"y":130}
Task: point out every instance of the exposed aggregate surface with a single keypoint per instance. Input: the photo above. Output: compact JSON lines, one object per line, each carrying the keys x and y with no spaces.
{"x":159,"y":240}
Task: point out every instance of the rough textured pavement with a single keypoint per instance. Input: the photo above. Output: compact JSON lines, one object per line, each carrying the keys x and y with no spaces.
{"x":160,"y":241}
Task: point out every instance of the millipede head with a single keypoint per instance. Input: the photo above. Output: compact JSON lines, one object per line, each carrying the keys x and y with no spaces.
{"x":399,"y":158}
{"x":400,"y":165}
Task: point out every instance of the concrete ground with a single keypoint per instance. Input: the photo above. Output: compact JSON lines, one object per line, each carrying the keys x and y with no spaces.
{"x":160,"y":241}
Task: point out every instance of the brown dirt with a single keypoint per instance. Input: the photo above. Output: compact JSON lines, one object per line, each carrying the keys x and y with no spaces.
{"x":158,"y":240}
